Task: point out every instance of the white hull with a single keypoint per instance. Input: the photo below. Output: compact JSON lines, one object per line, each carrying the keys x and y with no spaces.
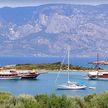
{"x":10,"y":78}
{"x":71,"y":88}
{"x":93,"y":88}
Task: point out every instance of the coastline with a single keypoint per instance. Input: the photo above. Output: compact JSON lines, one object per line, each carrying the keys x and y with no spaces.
{"x":46,"y":71}
{"x":43,"y":71}
{"x":48,"y":67}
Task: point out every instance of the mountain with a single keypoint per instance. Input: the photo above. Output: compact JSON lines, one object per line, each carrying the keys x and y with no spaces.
{"x":47,"y":30}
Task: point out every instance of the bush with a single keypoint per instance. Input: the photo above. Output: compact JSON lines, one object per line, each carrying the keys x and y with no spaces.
{"x":53,"y":101}
{"x":98,"y":100}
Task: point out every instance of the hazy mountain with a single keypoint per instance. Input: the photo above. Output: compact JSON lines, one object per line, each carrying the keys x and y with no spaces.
{"x":50,"y":29}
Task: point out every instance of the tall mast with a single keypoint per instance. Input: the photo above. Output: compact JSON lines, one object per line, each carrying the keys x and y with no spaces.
{"x":97,"y":57}
{"x":97,"y":64}
{"x":68,"y":57}
{"x":68,"y":61}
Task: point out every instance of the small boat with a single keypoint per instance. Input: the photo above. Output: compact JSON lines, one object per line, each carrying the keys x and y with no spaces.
{"x":28,"y":75}
{"x":93,"y":88}
{"x":9,"y":75}
{"x":70,"y":85}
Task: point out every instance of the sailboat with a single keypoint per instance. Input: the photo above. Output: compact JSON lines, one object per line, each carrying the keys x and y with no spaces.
{"x":70,"y":85}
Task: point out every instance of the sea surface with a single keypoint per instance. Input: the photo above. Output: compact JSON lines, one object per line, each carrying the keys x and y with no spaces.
{"x":45,"y":83}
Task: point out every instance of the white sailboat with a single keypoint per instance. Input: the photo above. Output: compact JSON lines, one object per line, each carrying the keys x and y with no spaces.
{"x":70,"y":85}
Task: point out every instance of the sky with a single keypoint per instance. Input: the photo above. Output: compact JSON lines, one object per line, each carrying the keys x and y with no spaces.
{"x":21,"y":3}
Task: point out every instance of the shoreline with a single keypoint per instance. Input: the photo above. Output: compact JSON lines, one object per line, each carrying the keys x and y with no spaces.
{"x":41,"y":70}
{"x":46,"y":71}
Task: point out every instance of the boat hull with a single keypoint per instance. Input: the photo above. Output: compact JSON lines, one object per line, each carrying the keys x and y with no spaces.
{"x":29,"y":76}
{"x":62,"y":87}
{"x":10,"y":78}
{"x":98,"y":76}
{"x":9,"y":75}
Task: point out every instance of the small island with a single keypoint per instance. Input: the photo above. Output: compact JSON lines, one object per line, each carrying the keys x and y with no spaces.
{"x":52,"y":66}
{"x":49,"y":67}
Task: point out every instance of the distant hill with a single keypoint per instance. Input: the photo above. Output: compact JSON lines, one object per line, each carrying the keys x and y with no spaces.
{"x":47,"y":30}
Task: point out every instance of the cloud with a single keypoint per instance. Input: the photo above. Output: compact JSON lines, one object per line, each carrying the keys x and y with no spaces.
{"x":15,"y":3}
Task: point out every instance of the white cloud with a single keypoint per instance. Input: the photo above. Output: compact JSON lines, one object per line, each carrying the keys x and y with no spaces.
{"x":19,"y":3}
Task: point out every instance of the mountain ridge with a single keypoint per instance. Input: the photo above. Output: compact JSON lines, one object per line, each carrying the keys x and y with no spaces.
{"x":49,"y":29}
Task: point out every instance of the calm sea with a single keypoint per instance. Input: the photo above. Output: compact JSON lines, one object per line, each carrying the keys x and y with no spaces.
{"x":45,"y":83}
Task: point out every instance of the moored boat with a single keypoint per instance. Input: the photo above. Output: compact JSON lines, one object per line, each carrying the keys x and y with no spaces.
{"x":13,"y":74}
{"x":102,"y":75}
{"x":9,"y":75}
{"x":69,"y":85}
{"x":28,"y":75}
{"x":98,"y":74}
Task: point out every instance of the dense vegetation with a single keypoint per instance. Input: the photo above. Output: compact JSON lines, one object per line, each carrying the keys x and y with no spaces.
{"x":51,"y":66}
{"x":53,"y":101}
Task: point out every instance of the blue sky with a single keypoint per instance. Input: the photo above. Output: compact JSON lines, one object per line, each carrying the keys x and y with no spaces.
{"x":18,"y":3}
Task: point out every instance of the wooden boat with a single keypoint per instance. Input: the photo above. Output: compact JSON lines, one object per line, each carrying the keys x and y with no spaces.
{"x":28,"y":75}
{"x":9,"y":75}
{"x":13,"y":74}
{"x":98,"y":74}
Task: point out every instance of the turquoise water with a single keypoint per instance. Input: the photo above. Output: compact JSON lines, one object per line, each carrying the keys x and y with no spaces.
{"x":45,"y":84}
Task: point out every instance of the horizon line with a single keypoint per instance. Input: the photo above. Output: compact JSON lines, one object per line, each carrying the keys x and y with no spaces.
{"x":85,"y":4}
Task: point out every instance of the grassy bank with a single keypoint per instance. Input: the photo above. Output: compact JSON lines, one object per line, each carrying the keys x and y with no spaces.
{"x":51,"y":66}
{"x":53,"y":101}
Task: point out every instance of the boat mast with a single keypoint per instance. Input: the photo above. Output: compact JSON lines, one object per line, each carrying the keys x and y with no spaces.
{"x":68,"y":61}
{"x":97,"y":64}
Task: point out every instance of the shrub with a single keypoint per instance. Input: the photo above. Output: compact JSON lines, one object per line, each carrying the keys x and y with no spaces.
{"x":53,"y":101}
